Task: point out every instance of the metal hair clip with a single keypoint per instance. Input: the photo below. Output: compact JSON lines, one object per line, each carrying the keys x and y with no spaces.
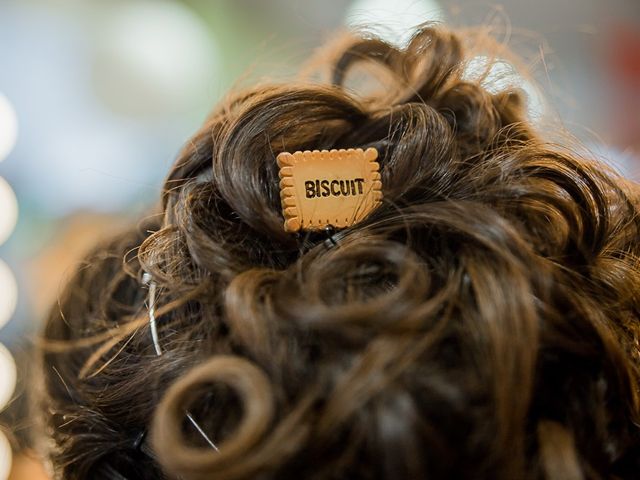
{"x":147,"y":280}
{"x":330,"y":241}
{"x":151,"y":306}
{"x":328,"y":187}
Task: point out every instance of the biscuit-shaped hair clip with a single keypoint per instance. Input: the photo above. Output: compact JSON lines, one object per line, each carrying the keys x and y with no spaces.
{"x":328,"y":187}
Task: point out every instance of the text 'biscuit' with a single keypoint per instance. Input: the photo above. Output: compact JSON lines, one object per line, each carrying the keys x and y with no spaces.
{"x":328,"y":187}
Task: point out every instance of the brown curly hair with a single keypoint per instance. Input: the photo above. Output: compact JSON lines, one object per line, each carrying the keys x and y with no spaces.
{"x":483,"y":322}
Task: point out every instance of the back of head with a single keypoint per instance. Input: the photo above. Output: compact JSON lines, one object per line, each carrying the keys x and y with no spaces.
{"x":482,"y":322}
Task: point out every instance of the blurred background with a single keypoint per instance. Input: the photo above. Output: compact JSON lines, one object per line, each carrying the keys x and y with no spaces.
{"x":97,"y":97}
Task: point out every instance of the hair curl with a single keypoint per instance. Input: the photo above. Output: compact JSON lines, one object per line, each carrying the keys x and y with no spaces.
{"x":482,"y":323}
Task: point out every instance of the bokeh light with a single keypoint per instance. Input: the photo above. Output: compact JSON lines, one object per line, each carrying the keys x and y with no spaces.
{"x":8,"y":293}
{"x":8,"y":376}
{"x":8,"y":209}
{"x":154,"y":57}
{"x":393,"y":20}
{"x":8,"y":127}
{"x":5,"y":457}
{"x":497,"y":75}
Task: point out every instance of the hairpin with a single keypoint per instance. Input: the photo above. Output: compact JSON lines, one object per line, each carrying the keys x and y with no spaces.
{"x":137,"y":443}
{"x":336,"y":188}
{"x":147,"y":280}
{"x":330,"y":241}
{"x":151,"y":307}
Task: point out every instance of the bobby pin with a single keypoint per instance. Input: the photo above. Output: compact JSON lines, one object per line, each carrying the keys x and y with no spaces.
{"x":147,"y":279}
